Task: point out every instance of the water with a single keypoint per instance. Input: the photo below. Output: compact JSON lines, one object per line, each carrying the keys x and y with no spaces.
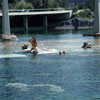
{"x":48,"y":76}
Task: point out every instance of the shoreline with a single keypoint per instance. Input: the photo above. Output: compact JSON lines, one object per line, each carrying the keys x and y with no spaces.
{"x":71,"y":28}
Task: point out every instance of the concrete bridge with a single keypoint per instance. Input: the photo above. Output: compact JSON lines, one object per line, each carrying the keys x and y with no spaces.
{"x":22,"y":13}
{"x":26,"y":15}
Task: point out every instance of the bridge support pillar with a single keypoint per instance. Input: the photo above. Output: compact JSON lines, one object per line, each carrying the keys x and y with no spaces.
{"x":6,"y":34}
{"x":26,"y":24}
{"x":5,"y":18}
{"x":97,"y":17}
{"x":45,"y":22}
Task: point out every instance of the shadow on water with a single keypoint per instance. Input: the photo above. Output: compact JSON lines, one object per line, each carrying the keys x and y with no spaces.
{"x":53,"y":31}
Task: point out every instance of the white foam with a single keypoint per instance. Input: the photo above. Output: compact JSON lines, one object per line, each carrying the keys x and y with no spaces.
{"x":23,"y":51}
{"x":16,"y":85}
{"x":40,"y":51}
{"x":46,"y":51}
{"x":11,"y":55}
{"x":25,"y":87}
{"x":21,"y":86}
{"x":52,"y":87}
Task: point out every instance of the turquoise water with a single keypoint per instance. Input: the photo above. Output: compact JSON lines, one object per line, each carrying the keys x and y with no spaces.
{"x":48,"y":76}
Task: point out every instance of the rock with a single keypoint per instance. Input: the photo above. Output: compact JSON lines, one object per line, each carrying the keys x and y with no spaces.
{"x":8,"y":37}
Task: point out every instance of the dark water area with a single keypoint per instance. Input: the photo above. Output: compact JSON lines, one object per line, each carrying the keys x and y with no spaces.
{"x":48,"y":76}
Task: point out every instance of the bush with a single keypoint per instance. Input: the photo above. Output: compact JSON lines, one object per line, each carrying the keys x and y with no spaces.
{"x":83,"y":14}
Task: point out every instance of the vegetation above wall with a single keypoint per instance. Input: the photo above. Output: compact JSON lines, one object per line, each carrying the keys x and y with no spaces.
{"x":90,"y":4}
{"x":86,"y":13}
{"x":41,"y":4}
{"x":36,"y":4}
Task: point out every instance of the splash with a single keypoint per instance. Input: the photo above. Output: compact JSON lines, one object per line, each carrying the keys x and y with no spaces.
{"x":46,"y":51}
{"x":40,"y":51}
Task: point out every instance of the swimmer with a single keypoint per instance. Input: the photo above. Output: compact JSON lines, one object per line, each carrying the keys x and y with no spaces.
{"x":25,"y":46}
{"x":86,"y":45}
{"x":62,"y":53}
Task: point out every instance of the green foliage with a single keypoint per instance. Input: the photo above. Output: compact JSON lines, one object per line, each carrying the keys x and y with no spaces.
{"x":29,"y":6}
{"x":84,"y":14}
{"x":40,"y":3}
{"x":53,"y":4}
{"x":90,"y":4}
{"x":76,"y":8}
{"x":24,"y":5}
{"x":12,"y":5}
{"x":37,"y":4}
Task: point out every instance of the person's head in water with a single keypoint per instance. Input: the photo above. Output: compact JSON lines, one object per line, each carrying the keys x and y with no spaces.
{"x":33,"y":38}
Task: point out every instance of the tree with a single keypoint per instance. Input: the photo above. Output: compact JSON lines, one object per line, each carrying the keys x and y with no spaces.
{"x":90,"y":4}
{"x":75,"y":9}
{"x":24,"y":5}
{"x":11,"y":1}
{"x":37,"y":3}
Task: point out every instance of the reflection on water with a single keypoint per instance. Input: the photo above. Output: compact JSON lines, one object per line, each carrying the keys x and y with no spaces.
{"x":48,"y":76}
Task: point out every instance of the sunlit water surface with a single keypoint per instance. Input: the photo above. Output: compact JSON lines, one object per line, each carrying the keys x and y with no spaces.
{"x":48,"y":76}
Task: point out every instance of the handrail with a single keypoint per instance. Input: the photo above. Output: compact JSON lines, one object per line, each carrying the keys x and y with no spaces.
{"x":34,"y":10}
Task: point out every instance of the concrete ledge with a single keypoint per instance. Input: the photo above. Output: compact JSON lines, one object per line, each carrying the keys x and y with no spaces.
{"x":9,"y":37}
{"x":91,"y":34}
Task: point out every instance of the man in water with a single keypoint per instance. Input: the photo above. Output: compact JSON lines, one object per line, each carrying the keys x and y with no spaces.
{"x":34,"y":44}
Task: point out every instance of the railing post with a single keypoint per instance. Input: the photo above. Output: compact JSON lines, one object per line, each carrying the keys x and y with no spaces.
{"x":45,"y":22}
{"x":26,"y":24}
